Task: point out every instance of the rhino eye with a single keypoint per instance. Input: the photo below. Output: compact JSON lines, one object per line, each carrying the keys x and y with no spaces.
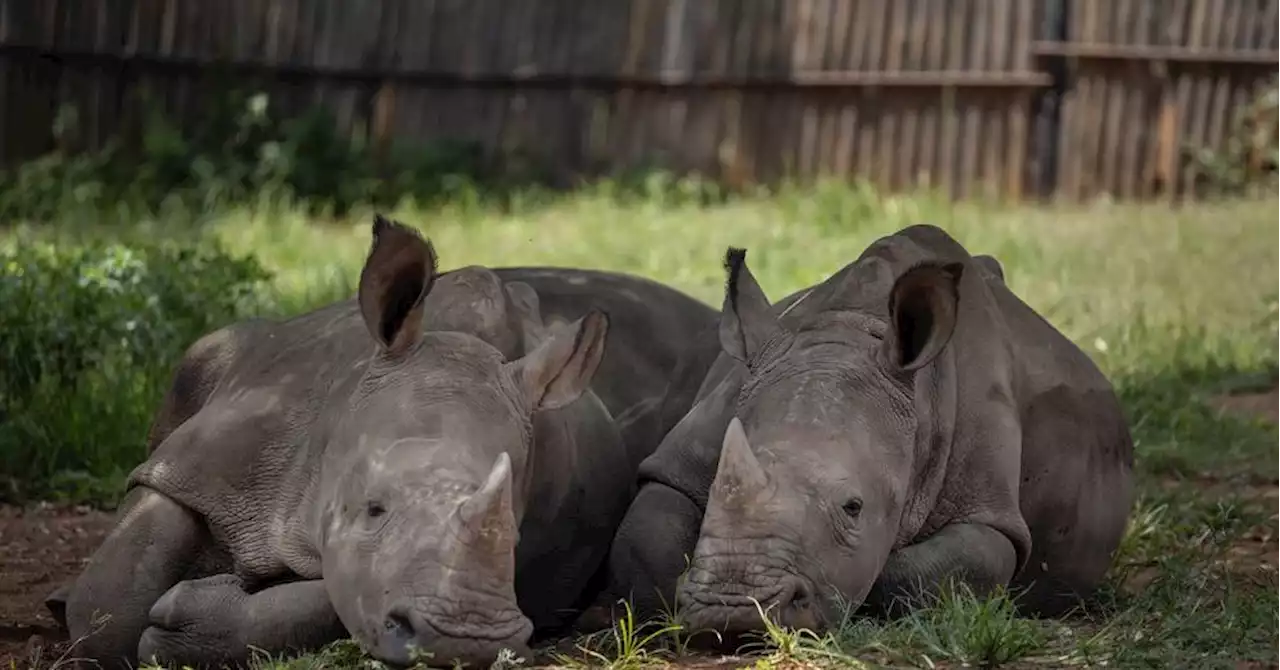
{"x":853,"y":507}
{"x":375,"y":510}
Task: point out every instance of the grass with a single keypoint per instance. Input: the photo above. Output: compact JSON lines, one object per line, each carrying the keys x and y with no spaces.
{"x":1175,"y":304}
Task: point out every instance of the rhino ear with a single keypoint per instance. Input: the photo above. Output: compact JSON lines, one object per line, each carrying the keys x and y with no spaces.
{"x":527,"y":310}
{"x":990,"y":264}
{"x":561,"y":368}
{"x":922,"y":308}
{"x":397,"y":275}
{"x":747,"y":322}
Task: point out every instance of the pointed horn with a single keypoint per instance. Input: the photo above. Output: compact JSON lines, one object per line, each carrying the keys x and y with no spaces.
{"x":739,"y":477}
{"x":488,"y":515}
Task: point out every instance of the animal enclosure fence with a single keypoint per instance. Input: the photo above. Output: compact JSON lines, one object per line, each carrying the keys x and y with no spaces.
{"x":1008,"y":98}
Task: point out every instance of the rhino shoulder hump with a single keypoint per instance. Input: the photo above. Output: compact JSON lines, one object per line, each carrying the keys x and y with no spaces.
{"x":195,"y":377}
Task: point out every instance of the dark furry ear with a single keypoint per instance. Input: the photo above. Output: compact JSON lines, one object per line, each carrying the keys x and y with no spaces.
{"x":923,"y":308}
{"x":747,"y":322}
{"x":397,"y":275}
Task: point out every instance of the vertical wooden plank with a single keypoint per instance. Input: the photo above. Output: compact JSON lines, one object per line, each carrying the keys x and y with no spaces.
{"x":878,"y":24}
{"x":1074,"y":111}
{"x":1133,"y":132}
{"x":1270,"y":25}
{"x":800,"y":29}
{"x":888,"y":56}
{"x":1143,"y":34}
{"x":1124,"y":92}
{"x":841,"y":18}
{"x":855,"y":51}
{"x":1017,"y":147}
{"x":741,"y":60}
{"x":906,"y":55}
{"x":1223,"y":112}
{"x":996,"y":135}
{"x":843,"y":53}
{"x":829,"y":124}
{"x":979,"y":20}
{"x":1195,"y":121}
{"x":897,"y":142}
{"x":934,"y":19}
{"x":949,"y":173}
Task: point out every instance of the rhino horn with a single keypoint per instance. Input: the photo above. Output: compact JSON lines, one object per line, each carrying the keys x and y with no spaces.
{"x":739,"y":477}
{"x":488,"y":517}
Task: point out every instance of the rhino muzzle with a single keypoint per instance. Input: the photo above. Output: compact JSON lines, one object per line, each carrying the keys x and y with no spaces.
{"x":475,"y":641}
{"x":740,"y":607}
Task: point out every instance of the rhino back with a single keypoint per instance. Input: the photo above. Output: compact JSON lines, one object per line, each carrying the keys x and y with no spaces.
{"x":1076,"y":489}
{"x":651,"y":325}
{"x":248,"y":459}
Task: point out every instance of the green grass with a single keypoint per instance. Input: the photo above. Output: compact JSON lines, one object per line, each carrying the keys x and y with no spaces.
{"x":1175,"y":304}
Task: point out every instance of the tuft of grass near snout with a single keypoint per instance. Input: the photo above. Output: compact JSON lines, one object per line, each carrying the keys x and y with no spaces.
{"x":956,"y":626}
{"x":627,"y":645}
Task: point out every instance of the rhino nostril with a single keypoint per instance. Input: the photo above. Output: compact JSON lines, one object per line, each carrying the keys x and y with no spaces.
{"x":800,"y":597}
{"x":399,"y":625}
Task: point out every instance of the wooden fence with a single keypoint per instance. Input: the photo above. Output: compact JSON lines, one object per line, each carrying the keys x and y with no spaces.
{"x":1008,"y":98}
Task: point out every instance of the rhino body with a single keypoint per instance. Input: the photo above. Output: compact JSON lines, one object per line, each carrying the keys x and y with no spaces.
{"x":906,"y":422}
{"x":368,"y":467}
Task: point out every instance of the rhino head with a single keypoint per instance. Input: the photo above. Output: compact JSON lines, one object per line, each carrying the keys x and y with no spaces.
{"x":429,"y":475}
{"x":817,"y":462}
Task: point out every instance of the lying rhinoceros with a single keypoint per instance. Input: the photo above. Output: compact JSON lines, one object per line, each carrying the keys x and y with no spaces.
{"x":907,"y":421}
{"x":367,"y":468}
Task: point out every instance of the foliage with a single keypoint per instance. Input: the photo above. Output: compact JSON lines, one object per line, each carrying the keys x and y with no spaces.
{"x":1251,"y":154}
{"x":242,"y":150}
{"x":90,"y":334}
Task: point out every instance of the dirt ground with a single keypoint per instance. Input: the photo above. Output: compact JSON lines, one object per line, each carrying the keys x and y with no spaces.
{"x":42,"y":546}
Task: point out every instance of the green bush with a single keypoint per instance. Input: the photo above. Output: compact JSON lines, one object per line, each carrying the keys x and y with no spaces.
{"x":242,"y":150}
{"x":90,"y":336}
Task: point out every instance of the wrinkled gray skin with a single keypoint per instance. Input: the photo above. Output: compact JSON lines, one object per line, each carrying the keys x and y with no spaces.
{"x":423,"y":466}
{"x":907,"y":421}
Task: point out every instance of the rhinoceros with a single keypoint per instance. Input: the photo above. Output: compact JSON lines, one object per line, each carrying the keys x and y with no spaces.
{"x":905,"y":423}
{"x":426,"y":465}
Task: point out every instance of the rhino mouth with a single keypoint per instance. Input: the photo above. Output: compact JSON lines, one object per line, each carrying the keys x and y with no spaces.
{"x":701,"y":598}
{"x":730,"y":609}
{"x":470,"y":638}
{"x":488,"y":630}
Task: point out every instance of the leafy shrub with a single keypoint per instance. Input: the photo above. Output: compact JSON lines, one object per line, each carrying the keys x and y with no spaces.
{"x":89,"y":340}
{"x":241,"y":150}
{"x":1251,"y":153}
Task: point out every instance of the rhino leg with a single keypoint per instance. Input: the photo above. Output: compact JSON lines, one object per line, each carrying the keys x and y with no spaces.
{"x":652,"y":549}
{"x":154,"y":543}
{"x":980,"y":556}
{"x":215,"y":622}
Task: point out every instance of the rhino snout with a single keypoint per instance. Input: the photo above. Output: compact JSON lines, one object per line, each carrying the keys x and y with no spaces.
{"x":711,"y":603}
{"x":471,"y":640}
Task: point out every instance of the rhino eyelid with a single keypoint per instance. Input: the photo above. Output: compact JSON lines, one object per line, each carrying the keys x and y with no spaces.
{"x":375,"y":510}
{"x":853,"y":507}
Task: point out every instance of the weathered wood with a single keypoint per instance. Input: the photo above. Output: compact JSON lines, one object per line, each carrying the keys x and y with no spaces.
{"x":900,"y":92}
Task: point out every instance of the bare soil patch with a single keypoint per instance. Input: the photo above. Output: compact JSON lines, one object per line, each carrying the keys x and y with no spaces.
{"x":40,"y":548}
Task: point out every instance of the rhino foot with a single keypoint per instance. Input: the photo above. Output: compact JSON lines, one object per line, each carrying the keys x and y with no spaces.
{"x":197,"y":623}
{"x":56,"y":603}
{"x":215,"y":622}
